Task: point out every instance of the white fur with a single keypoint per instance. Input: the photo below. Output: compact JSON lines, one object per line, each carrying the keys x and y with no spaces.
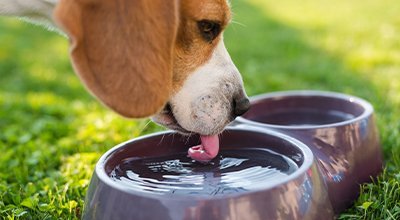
{"x":27,"y":7}
{"x":36,"y":11}
{"x":204,"y":103}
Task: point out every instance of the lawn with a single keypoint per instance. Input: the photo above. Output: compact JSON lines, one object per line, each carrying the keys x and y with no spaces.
{"x":53,"y":131}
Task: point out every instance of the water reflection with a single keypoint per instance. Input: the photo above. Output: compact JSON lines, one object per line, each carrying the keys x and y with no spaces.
{"x":233,"y":171}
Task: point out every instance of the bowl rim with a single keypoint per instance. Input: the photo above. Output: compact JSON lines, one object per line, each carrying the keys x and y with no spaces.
{"x":302,"y":170}
{"x":367,"y":112}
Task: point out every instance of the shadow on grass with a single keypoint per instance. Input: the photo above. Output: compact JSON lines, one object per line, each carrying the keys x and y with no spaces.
{"x":39,"y":95}
{"x":35,"y":60}
{"x":274,"y":56}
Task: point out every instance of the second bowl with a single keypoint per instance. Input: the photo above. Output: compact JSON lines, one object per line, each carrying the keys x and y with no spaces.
{"x":339,"y":129}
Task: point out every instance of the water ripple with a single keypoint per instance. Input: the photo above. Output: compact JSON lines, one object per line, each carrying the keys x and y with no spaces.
{"x":233,"y":171}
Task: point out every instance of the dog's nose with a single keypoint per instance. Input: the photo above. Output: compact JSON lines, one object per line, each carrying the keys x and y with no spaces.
{"x":240,"y":106}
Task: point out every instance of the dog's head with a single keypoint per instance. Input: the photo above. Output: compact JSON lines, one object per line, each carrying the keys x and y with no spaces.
{"x":160,"y":58}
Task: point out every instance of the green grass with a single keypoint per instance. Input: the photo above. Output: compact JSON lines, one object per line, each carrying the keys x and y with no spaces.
{"x":52,"y":132}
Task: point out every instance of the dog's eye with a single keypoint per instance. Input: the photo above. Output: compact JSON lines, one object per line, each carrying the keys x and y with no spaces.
{"x":209,"y":30}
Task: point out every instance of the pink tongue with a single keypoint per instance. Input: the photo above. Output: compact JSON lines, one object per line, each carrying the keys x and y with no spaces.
{"x":207,"y":150}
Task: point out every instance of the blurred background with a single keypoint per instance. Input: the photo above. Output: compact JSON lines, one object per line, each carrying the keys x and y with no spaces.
{"x":52,"y":131}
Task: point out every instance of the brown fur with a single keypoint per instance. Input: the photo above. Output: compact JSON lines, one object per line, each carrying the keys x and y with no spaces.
{"x":133,"y":54}
{"x":191,"y":50}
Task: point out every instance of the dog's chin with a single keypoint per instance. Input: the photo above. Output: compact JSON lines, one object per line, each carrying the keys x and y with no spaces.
{"x":204,"y":126}
{"x":167,"y":119}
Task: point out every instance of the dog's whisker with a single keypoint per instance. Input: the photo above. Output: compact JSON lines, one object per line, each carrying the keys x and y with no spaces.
{"x":145,"y":126}
{"x":162,"y":138}
{"x":173,"y":137}
{"x":188,"y":137}
{"x":238,"y":23}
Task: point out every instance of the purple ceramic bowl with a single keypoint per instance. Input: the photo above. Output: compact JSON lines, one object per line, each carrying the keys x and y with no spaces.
{"x":339,"y":129}
{"x":299,"y":195}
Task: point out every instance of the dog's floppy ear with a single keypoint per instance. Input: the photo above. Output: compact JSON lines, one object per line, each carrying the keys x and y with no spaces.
{"x":122,"y":50}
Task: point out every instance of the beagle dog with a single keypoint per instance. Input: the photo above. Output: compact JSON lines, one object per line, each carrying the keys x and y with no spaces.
{"x":160,"y":58}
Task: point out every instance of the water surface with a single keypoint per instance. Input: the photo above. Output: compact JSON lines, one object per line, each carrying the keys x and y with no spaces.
{"x":304,"y":117}
{"x":232,"y":171}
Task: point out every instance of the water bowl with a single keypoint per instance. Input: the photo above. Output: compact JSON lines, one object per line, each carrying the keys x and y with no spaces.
{"x":339,"y":129}
{"x":258,"y":174}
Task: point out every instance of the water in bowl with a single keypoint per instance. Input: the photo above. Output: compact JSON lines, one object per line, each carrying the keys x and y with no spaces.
{"x":233,"y":171}
{"x":304,"y":117}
